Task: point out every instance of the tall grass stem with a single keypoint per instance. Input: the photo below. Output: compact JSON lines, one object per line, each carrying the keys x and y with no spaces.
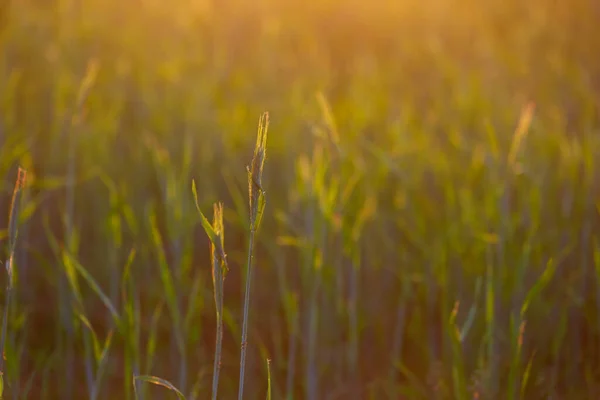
{"x":257,"y":203}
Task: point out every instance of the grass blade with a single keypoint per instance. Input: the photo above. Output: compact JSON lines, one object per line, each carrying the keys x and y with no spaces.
{"x":158,"y":381}
{"x":268,"y":379}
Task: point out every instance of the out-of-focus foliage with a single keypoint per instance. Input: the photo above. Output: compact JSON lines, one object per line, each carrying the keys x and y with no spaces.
{"x":379,"y":217}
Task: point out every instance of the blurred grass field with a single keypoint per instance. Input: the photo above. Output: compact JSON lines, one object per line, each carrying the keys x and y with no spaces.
{"x":431,"y":228}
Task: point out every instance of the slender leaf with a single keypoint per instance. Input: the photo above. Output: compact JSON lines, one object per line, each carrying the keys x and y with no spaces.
{"x":158,"y":381}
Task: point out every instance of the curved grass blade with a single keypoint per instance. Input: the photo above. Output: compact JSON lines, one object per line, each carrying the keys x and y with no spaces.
{"x":94,"y":286}
{"x":212,"y":235}
{"x":157,"y":381}
{"x":539,"y":285}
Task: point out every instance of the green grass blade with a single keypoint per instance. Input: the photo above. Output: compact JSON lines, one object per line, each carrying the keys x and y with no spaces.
{"x":212,"y":235}
{"x":458,"y":370}
{"x":94,"y":286}
{"x":526,"y":375}
{"x":539,"y":285}
{"x":95,"y":342}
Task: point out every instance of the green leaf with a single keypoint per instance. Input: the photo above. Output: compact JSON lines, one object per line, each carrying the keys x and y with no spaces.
{"x":212,"y":235}
{"x":88,"y":325}
{"x":166,"y":277}
{"x":153,"y":336}
{"x":127,"y":269}
{"x":92,"y":283}
{"x":215,"y":238}
{"x":538,"y":286}
{"x":69,"y":269}
{"x":526,"y":375}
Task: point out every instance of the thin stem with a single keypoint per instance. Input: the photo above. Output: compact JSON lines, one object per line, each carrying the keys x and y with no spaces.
{"x":219,"y":267}
{"x":5,"y":317}
{"x":257,"y":202}
{"x":246,"y":308}
{"x":219,"y":344}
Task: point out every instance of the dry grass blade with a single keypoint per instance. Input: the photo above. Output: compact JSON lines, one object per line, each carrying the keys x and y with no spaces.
{"x":216,"y":253}
{"x":520,"y":133}
{"x":331,"y":134}
{"x":160,"y":382}
{"x":14,"y":209}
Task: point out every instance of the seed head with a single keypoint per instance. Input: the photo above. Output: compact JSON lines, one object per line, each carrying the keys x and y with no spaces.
{"x":255,"y":172}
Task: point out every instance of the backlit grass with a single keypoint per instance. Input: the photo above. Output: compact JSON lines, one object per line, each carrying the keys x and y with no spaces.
{"x":428,"y":208}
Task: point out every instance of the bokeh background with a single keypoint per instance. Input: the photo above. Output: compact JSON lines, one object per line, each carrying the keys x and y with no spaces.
{"x":406,"y":252}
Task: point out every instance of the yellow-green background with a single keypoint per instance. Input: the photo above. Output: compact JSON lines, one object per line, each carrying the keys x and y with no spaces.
{"x":390,"y":195}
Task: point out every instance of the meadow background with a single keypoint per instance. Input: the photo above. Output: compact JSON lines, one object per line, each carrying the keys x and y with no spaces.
{"x":432,"y":181}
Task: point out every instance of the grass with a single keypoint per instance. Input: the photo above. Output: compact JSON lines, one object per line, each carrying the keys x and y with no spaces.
{"x":432,"y":223}
{"x":256,"y":195}
{"x":219,"y":270}
{"x":12,"y":237}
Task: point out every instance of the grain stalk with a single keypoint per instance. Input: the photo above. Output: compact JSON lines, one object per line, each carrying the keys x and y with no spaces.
{"x":218,"y":257}
{"x":219,"y":270}
{"x":257,"y":206}
{"x":12,"y":237}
